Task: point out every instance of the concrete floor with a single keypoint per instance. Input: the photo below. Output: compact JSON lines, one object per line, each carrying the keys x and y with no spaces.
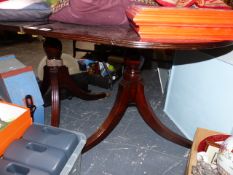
{"x":132,"y":148}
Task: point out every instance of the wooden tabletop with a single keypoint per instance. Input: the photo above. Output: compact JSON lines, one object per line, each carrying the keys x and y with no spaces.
{"x":200,"y":134}
{"x":123,"y":36}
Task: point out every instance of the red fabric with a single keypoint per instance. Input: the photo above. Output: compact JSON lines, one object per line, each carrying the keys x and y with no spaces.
{"x":176,"y":3}
{"x":214,"y":138}
{"x":217,"y":4}
{"x":3,"y":0}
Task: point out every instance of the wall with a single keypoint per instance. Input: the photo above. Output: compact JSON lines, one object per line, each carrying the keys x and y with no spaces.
{"x":200,"y":92}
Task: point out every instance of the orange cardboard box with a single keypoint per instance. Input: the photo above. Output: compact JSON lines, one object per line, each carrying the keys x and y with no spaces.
{"x":14,"y":120}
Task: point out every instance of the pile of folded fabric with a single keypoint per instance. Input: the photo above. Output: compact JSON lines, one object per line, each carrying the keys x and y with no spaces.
{"x":24,"y":10}
{"x":173,"y":24}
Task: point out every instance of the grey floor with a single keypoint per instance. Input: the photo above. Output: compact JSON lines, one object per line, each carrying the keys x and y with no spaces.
{"x":132,"y":148}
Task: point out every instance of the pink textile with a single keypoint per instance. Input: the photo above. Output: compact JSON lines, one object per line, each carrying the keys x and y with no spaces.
{"x":93,"y":12}
{"x":112,"y":12}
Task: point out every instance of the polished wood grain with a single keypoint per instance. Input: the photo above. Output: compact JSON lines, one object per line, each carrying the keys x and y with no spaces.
{"x":131,"y":88}
{"x":111,"y":35}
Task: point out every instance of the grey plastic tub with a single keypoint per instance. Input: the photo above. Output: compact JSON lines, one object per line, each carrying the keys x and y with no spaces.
{"x":51,"y":136}
{"x":11,"y":168}
{"x":73,"y":164}
{"x":36,"y":155}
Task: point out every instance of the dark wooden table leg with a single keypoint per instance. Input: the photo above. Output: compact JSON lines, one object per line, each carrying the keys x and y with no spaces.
{"x":55,"y":105}
{"x":113,"y":118}
{"x":131,"y":91}
{"x":56,"y":76}
{"x":152,"y":120}
{"x":69,"y":84}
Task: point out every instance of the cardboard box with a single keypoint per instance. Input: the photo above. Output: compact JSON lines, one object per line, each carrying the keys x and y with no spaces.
{"x":200,"y":134}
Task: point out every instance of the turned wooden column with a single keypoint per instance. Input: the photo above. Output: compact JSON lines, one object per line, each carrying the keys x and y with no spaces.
{"x":131,"y":92}
{"x":56,"y":76}
{"x":53,"y":50}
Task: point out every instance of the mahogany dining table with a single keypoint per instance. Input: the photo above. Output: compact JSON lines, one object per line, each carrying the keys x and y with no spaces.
{"x":131,"y":88}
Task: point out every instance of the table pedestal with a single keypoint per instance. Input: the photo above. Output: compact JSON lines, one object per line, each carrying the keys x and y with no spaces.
{"x":57,"y":77}
{"x":131,"y":91}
